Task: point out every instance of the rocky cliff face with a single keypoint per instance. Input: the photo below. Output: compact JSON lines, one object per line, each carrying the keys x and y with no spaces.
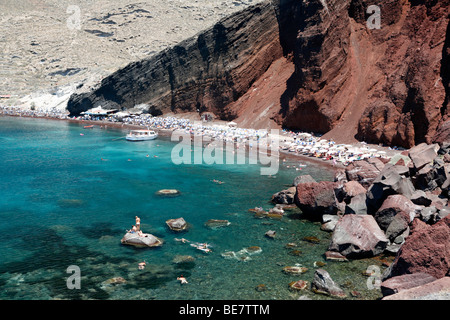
{"x":378,"y":85}
{"x":206,"y":72}
{"x":310,"y":65}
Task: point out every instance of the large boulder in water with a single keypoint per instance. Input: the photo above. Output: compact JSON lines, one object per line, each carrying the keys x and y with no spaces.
{"x":145,"y":240}
{"x":178,"y":224}
{"x":322,"y":283}
{"x":316,"y":198}
{"x":358,"y":236}
{"x":284,"y":196}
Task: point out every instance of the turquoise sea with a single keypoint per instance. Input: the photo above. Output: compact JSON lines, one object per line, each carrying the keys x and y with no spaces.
{"x":67,"y":195}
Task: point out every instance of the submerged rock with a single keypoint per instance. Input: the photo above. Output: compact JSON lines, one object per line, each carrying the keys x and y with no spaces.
{"x":295,"y":270}
{"x":261,"y":288}
{"x":253,"y":250}
{"x":312,"y":239}
{"x":214,"y":223}
{"x":168,"y":192}
{"x":183,"y":259}
{"x":114,"y":281}
{"x":243,"y":254}
{"x":335,"y":256}
{"x":70,"y":203}
{"x":298,"y":285}
{"x":270,"y":234}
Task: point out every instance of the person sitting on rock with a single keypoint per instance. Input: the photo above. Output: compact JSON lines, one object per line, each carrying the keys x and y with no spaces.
{"x":133,"y":229}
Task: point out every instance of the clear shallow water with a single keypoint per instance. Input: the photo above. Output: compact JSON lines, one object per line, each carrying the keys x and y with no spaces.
{"x":62,"y":205}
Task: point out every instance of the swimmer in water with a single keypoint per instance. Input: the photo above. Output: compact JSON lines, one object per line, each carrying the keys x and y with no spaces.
{"x":142,"y":265}
{"x":202,"y":246}
{"x":182,"y":279}
{"x":182,"y":240}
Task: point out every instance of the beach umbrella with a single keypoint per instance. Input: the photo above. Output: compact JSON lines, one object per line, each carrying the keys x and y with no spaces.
{"x":304,"y":134}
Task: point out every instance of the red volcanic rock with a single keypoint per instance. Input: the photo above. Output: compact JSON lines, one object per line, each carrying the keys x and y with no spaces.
{"x":423,"y":154}
{"x":358,"y":236}
{"x":405,"y":282}
{"x":395,"y":205}
{"x":316,"y":197}
{"x":406,"y":107}
{"x":436,"y":290}
{"x":353,"y":188}
{"x":362,"y":171}
{"x":426,"y":250}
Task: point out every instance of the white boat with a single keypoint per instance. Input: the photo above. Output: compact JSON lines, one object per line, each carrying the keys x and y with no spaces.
{"x":141,"y":135}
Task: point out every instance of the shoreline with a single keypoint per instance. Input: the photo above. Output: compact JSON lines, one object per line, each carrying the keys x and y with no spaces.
{"x":166,"y":132}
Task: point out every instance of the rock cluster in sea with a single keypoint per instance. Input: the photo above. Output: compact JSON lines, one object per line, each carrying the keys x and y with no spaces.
{"x":398,"y":206}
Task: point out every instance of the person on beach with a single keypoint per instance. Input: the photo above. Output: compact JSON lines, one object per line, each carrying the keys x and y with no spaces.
{"x":138,"y":223}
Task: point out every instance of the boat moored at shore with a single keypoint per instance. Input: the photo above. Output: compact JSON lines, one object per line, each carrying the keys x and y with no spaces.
{"x":141,"y":135}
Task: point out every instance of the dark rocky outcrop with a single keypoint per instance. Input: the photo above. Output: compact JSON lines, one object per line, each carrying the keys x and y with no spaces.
{"x":206,"y":72}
